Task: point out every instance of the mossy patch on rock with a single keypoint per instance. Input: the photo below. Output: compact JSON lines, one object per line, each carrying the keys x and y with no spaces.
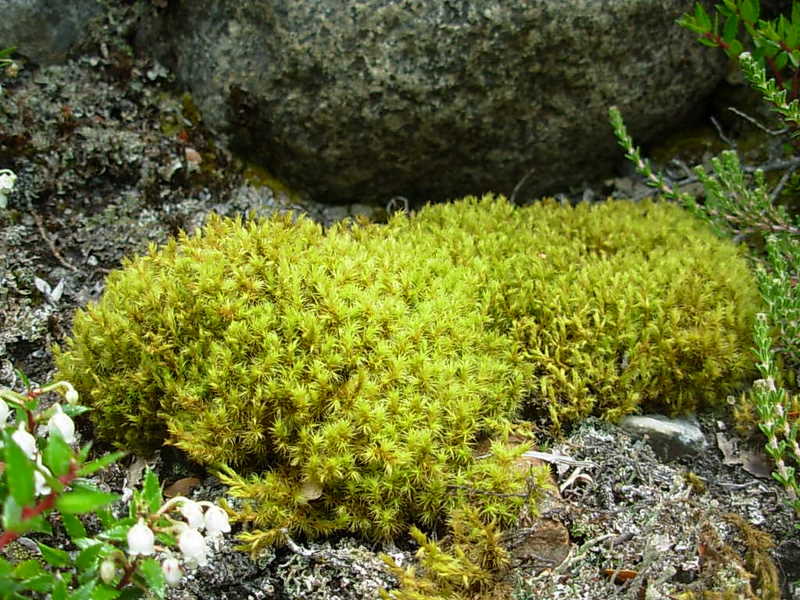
{"x":356,"y":371}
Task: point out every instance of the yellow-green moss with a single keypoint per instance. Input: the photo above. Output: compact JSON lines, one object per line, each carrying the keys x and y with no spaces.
{"x":615,"y":306}
{"x":354,"y":372}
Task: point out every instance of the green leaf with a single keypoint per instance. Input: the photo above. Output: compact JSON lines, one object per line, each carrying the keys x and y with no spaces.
{"x":725,"y":11}
{"x":26,"y":382}
{"x":38,"y":524}
{"x":150,"y":570}
{"x":781,"y":60}
{"x":105,"y":592}
{"x":87,"y":558}
{"x":119,"y":531}
{"x":57,"y":455}
{"x":74,"y":526}
{"x":74,"y":410}
{"x":707,"y":42}
{"x":12,"y":515}
{"x":83,"y":499}
{"x":794,"y":56}
{"x":42,"y":583}
{"x":151,"y":491}
{"x":736,"y":48}
{"x":730,"y":29}
{"x":84,"y":452}
{"x":107,"y":518}
{"x":701,"y":17}
{"x":27,"y":568}
{"x":7,"y":584}
{"x":100,"y":463}
{"x":54,"y":556}
{"x":792,"y":36}
{"x":18,"y":472}
{"x":84,"y":592}
{"x":749,"y":10}
{"x":59,"y":589}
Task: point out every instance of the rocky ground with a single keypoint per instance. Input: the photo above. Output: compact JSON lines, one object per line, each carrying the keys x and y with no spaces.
{"x":111,"y":158}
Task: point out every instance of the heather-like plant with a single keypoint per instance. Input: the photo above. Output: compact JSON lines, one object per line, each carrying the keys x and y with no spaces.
{"x":773,"y":44}
{"x":41,"y":473}
{"x":741,"y":205}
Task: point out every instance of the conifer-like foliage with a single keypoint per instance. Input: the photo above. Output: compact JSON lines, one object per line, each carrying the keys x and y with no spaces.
{"x":354,"y":372}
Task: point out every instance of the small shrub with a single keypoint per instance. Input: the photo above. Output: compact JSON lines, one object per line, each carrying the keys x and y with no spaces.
{"x":356,"y":371}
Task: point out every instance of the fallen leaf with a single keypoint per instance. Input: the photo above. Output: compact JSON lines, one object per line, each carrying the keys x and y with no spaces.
{"x":193,"y":156}
{"x":756,"y":463}
{"x":728,"y":449}
{"x":182,"y":487}
{"x":311,"y":490}
{"x":620,"y":576}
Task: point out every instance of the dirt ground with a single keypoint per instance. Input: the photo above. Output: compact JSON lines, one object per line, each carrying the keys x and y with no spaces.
{"x":110,"y":158}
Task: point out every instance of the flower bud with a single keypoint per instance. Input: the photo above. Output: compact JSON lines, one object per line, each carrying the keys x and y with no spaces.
{"x":71,"y":395}
{"x":193,"y":545}
{"x":42,"y":489}
{"x":7,"y":180}
{"x":108,"y":571}
{"x":216,"y":521}
{"x":62,"y":424}
{"x":141,"y":539}
{"x":25,"y":440}
{"x":172,"y":571}
{"x":193,"y":514}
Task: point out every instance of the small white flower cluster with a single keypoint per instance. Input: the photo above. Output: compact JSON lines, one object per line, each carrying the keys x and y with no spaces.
{"x":59,"y":423}
{"x":193,"y":544}
{"x":7,"y":181}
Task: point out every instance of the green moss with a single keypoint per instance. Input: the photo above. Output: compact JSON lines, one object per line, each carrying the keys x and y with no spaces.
{"x":258,"y":176}
{"x":355,"y":372}
{"x":615,"y":306}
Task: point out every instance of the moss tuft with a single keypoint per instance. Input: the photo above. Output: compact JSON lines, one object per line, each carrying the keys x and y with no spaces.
{"x":616,"y":307}
{"x":355,"y":372}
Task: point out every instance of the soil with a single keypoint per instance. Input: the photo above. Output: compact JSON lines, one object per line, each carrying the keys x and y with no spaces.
{"x":111,"y":158}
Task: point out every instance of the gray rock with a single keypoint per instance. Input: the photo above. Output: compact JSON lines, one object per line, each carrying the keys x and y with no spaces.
{"x":362,"y":100}
{"x":44,"y":30}
{"x":669,"y":438}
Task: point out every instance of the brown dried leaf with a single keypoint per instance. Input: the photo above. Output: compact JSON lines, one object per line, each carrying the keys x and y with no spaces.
{"x":182,"y":487}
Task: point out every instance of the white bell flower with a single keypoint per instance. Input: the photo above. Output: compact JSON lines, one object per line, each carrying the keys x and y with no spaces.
{"x":61,"y":423}
{"x":4,"y":412}
{"x":216,"y":521}
{"x":172,"y":570}
{"x":25,"y":440}
{"x":193,"y":514}
{"x":42,"y":489}
{"x":193,"y":545}
{"x":108,"y":571}
{"x":7,"y":181}
{"x":71,"y":395}
{"x":141,"y":539}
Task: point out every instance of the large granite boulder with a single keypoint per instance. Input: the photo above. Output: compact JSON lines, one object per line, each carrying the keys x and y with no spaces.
{"x":358,"y":100}
{"x":43,"y":31}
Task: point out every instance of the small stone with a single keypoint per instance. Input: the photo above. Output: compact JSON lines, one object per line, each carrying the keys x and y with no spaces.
{"x":669,"y":438}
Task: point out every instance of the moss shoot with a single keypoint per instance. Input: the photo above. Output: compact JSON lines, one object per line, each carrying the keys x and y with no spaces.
{"x":353,"y":373}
